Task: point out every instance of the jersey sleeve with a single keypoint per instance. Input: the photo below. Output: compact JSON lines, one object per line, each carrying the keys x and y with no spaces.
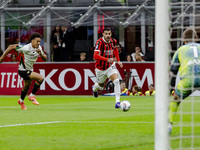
{"x":20,"y":48}
{"x":175,"y":64}
{"x":116,"y":54}
{"x":23,"y":48}
{"x":99,"y":57}
{"x":98,"y":46}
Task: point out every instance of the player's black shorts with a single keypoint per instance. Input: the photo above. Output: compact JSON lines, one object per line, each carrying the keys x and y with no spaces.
{"x":25,"y":74}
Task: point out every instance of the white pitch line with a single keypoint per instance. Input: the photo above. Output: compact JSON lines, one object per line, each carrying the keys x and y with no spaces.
{"x":28,"y":124}
{"x":99,"y":122}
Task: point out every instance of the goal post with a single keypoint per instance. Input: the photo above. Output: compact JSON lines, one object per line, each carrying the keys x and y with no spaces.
{"x":161,"y":74}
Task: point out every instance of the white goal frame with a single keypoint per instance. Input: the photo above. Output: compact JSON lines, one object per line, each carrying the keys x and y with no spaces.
{"x":161,"y":74}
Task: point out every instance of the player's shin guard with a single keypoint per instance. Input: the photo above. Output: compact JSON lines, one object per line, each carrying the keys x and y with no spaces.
{"x":117,"y":90}
{"x":36,"y":87}
{"x":173,"y":107}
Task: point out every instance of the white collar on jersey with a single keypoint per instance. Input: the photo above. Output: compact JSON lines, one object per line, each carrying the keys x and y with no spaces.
{"x":105,"y":40}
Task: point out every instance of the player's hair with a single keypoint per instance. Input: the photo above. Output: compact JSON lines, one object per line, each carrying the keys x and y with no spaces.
{"x":107,"y":29}
{"x":189,"y":35}
{"x":34,"y":35}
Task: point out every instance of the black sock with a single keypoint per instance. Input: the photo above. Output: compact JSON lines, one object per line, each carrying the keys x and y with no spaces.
{"x":36,"y":87}
{"x":23,"y":95}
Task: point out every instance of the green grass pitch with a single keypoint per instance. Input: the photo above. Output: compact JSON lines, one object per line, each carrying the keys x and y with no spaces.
{"x":79,"y":123}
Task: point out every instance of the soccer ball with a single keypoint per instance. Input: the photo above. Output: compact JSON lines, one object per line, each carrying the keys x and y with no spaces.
{"x":125,"y":105}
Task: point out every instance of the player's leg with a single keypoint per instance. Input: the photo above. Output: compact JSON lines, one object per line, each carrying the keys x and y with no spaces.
{"x":96,"y":87}
{"x":182,"y":91}
{"x":173,"y":107}
{"x":27,"y":82}
{"x":112,"y":74}
{"x":101,"y":78}
{"x":115,"y":79}
{"x":24,"y":91}
{"x":39,"y":79}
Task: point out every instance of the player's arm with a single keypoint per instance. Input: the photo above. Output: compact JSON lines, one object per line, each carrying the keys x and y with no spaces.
{"x":174,"y":70}
{"x":44,"y":57}
{"x":117,"y":57}
{"x":42,"y":54}
{"x":97,"y":55}
{"x":10,"y":48}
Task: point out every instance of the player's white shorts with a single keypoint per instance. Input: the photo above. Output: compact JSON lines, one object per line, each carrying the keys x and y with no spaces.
{"x":102,"y":75}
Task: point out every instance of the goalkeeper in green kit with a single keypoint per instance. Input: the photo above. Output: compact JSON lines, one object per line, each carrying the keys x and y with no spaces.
{"x":186,"y":60}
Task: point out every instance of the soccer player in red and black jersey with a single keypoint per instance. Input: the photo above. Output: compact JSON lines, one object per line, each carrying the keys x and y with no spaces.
{"x":104,"y":53}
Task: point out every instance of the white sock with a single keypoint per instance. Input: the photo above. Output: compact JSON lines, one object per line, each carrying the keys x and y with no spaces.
{"x":21,"y":100}
{"x":96,"y":87}
{"x":117,"y":90}
{"x":32,"y":94}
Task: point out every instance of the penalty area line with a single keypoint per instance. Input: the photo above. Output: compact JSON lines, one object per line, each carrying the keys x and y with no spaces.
{"x":96,"y":122}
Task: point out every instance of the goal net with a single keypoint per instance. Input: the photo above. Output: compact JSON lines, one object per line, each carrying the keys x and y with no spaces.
{"x":172,"y":18}
{"x":185,"y":133}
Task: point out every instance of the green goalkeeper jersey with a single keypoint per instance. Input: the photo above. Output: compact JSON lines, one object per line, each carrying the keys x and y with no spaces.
{"x":186,"y":60}
{"x":28,"y":56}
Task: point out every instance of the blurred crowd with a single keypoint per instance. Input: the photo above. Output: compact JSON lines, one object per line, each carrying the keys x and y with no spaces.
{"x":66,"y":47}
{"x":63,"y":41}
{"x":136,"y":90}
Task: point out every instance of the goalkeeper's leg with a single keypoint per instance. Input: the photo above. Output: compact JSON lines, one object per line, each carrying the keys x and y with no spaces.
{"x":173,"y":107}
{"x":180,"y":93}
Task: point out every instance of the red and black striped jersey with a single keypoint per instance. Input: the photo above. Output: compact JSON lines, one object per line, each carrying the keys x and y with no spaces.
{"x":105,"y":50}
